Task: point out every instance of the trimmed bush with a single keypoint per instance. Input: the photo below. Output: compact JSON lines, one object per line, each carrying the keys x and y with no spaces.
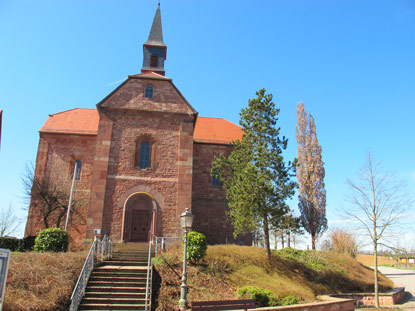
{"x":262,"y":296}
{"x":196,"y":246}
{"x":265,"y":298}
{"x":51,"y":240}
{"x":13,"y":244}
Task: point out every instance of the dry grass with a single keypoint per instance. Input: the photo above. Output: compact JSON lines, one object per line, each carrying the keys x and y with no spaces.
{"x":368,"y":260}
{"x":42,"y":281}
{"x":303,"y":274}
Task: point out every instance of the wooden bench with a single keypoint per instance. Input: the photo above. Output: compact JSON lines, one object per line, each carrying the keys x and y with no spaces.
{"x":223,"y":305}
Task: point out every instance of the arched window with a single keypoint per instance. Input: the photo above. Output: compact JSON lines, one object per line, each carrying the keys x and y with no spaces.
{"x":145,"y":155}
{"x":149,"y":92}
{"x":153,"y":61}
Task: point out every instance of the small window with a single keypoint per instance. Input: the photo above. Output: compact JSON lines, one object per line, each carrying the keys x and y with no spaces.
{"x":76,"y":168}
{"x":145,"y":153}
{"x":153,"y":61}
{"x":149,"y":92}
{"x":215,"y":181}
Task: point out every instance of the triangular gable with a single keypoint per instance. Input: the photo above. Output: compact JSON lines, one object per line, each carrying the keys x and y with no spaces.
{"x":130,"y":95}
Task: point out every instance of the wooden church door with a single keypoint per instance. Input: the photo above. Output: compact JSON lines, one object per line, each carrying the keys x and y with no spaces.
{"x":139,"y":225}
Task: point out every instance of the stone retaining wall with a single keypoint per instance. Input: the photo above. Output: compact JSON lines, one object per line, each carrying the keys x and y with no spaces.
{"x":385,"y":299}
{"x":329,"y":304}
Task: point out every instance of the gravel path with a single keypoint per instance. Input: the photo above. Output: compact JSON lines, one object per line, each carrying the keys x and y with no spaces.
{"x":405,"y":278}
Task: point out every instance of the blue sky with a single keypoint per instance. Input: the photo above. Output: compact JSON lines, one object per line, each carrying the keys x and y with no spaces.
{"x":351,"y":62}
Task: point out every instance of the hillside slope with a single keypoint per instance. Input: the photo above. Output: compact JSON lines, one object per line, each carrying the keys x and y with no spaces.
{"x":304,"y":274}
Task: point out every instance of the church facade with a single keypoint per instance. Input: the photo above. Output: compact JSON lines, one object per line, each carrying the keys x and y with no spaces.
{"x":144,"y":156}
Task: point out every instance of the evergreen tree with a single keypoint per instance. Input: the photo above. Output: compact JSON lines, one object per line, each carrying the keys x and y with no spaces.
{"x":255,"y":176}
{"x":310,"y":176}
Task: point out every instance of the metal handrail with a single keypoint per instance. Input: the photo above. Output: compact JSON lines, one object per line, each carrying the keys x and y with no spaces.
{"x":148,"y":275}
{"x":79,"y":290}
{"x":98,"y":249}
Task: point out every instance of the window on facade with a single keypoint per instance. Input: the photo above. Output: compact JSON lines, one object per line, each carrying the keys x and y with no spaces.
{"x":76,"y":168}
{"x":153,"y":61}
{"x":215,"y":181}
{"x":149,"y":92}
{"x":145,"y":153}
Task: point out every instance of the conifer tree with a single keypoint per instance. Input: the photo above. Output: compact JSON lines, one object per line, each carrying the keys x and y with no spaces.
{"x":255,"y":176}
{"x":310,"y":176}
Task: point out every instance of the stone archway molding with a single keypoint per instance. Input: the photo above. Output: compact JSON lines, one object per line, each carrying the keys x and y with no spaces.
{"x":157,"y":203}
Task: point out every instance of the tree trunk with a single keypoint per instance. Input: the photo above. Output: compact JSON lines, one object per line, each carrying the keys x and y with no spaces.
{"x":276,"y":239}
{"x":266,"y":236}
{"x":313,"y":242}
{"x":288,"y":239}
{"x":282,"y":239}
{"x":375,"y":255}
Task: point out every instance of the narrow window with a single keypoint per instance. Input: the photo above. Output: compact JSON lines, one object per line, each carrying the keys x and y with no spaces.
{"x":153,"y":61}
{"x":215,"y":181}
{"x":149,"y":92}
{"x":145,"y":154}
{"x":76,"y":168}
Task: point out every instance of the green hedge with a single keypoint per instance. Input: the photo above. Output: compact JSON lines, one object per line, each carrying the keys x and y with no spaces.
{"x":196,"y":246}
{"x":17,"y":245}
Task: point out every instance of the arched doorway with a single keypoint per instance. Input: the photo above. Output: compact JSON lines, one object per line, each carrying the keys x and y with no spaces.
{"x":138,"y":218}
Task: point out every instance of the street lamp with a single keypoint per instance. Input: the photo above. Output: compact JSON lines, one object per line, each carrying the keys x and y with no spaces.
{"x":186,"y":220}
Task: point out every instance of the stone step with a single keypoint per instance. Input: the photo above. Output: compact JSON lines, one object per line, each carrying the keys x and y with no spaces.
{"x":117,"y":279}
{"x":135,"y":295}
{"x":123,"y":307}
{"x":120,"y":269}
{"x":117,"y":284}
{"x":117,"y":289}
{"x":142,"y":273}
{"x":124,"y":263}
{"x":113,"y":301}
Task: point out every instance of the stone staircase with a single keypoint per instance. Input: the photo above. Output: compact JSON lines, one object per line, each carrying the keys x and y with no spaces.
{"x":120,"y":283}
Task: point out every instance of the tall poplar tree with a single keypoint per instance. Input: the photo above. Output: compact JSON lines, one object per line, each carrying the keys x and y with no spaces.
{"x":255,"y":176}
{"x":310,"y":176}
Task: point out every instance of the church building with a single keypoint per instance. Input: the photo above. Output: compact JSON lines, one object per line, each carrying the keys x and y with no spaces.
{"x":144,"y":156}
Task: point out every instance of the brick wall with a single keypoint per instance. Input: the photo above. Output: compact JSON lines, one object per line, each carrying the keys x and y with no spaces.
{"x":55,"y":158}
{"x":167,"y":122}
{"x":208,"y":201}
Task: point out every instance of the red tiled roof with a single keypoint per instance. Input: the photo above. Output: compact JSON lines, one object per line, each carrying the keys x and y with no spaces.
{"x":74,"y":121}
{"x":85,"y":121}
{"x":215,"y":130}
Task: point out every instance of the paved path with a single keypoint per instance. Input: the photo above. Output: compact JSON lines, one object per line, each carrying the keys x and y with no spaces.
{"x":405,"y":278}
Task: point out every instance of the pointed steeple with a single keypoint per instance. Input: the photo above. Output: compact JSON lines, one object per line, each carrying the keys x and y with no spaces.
{"x":154,"y":49}
{"x":156,"y":33}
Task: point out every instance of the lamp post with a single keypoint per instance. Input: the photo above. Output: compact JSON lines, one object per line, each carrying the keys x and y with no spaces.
{"x":186,"y":220}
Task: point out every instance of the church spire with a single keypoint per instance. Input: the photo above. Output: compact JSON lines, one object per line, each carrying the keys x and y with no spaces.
{"x":154,"y":49}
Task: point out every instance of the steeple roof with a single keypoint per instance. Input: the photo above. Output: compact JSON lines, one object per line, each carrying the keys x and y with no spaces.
{"x":155,"y":37}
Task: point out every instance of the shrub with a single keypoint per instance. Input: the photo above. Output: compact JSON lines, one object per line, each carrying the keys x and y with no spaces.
{"x":13,"y":244}
{"x":196,"y":246}
{"x":52,"y":240}
{"x":343,"y":241}
{"x":262,"y":296}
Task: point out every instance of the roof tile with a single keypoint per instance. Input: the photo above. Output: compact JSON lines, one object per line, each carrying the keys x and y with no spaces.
{"x":85,"y":121}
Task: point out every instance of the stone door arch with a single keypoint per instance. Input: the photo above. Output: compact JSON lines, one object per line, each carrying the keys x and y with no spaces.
{"x":139,"y":216}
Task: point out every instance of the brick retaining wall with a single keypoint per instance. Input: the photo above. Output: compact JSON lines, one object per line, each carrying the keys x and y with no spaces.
{"x":329,"y":304}
{"x":385,"y":299}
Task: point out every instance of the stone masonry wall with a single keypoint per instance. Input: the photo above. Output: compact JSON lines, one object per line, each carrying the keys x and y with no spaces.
{"x":55,"y":159}
{"x":208,"y":201}
{"x":162,"y":177}
{"x":167,"y":122}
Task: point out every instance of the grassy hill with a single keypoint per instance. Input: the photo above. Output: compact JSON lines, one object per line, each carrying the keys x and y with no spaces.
{"x":304,"y":274}
{"x":42,"y":281}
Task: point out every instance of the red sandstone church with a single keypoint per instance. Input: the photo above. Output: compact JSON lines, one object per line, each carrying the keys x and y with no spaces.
{"x":145,"y":156}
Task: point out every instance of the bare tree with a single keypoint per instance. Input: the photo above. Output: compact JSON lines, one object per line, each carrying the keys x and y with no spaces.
{"x":49,"y":193}
{"x":342,"y":241}
{"x":378,"y":203}
{"x":8,"y":221}
{"x":310,"y":176}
